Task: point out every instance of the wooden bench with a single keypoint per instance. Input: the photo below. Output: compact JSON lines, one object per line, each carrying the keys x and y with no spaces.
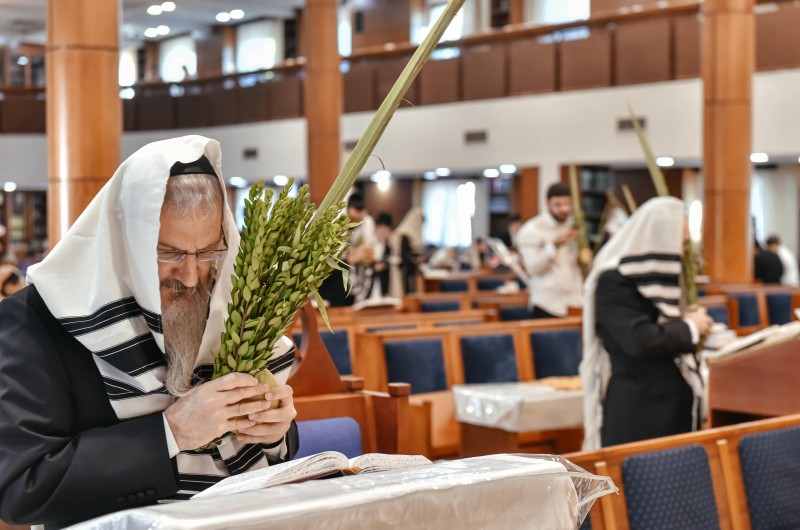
{"x":432,"y":411}
{"x":721,"y":446}
{"x":427,"y":302}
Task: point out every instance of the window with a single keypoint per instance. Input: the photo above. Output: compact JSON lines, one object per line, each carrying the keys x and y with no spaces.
{"x":177,"y":59}
{"x":259,"y":45}
{"x":448,"y":207}
{"x":128,"y":74}
{"x":453,"y":32}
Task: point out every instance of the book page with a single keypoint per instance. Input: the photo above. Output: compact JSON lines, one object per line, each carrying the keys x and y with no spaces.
{"x":381,"y":462}
{"x":318,"y":465}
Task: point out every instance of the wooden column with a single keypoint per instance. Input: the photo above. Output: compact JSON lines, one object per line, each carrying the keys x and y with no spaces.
{"x":322,"y":95}
{"x":525,"y":201}
{"x":516,"y":12}
{"x":84,"y":112}
{"x":728,"y":63}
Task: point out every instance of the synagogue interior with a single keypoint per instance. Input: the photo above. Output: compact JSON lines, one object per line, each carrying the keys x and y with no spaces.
{"x":563,"y":268}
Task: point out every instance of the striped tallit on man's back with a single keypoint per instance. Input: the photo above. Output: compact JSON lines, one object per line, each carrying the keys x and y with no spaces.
{"x":101,"y":283}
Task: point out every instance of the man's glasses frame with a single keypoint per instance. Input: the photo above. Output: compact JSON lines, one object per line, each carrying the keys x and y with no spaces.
{"x":179,"y":256}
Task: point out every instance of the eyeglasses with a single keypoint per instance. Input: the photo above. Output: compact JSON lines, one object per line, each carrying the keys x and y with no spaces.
{"x":178,"y":256}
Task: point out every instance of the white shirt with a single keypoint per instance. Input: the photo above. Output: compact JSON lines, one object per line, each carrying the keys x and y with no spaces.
{"x":556,"y":278}
{"x":791,"y":276}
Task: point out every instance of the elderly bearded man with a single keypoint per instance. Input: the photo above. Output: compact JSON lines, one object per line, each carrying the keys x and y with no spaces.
{"x":104,"y":354}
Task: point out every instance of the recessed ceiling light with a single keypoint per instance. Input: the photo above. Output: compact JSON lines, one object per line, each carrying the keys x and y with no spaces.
{"x":491,"y":173}
{"x":237,"y":14}
{"x":237,"y":182}
{"x":168,"y":7}
{"x":8,"y":187}
{"x":223,"y":17}
{"x":430,"y":175}
{"x":163,"y":30}
{"x":280,"y":180}
{"x":154,"y":10}
{"x":442,"y":172}
{"x":665,"y":161}
{"x":508,"y":169}
{"x":22,"y":60}
{"x":151,"y":32}
{"x":759,"y":158}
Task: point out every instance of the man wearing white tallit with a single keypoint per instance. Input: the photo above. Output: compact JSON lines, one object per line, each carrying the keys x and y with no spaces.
{"x":104,"y":355}
{"x":640,"y":375}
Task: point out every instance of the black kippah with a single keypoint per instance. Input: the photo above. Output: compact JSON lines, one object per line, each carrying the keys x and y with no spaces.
{"x":199,"y":166}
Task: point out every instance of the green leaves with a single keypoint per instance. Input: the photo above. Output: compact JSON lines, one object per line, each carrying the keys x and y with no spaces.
{"x":285,"y":253}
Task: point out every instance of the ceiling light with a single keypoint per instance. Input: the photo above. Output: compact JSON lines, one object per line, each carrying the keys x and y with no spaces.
{"x":127,"y":93}
{"x":508,"y":169}
{"x":237,"y":182}
{"x":223,"y":17}
{"x":384,"y":185}
{"x":163,"y":30}
{"x":237,"y":14}
{"x":22,"y":60}
{"x":430,"y":175}
{"x":665,"y":161}
{"x":280,"y":180}
{"x":759,"y":158}
{"x":168,"y":7}
{"x":151,"y":32}
{"x":9,"y":187}
{"x":491,"y":173}
{"x":154,"y":10}
{"x":442,"y":172}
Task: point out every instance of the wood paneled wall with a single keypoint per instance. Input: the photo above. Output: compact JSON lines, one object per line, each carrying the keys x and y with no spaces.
{"x":397,"y":201}
{"x":383,"y":21}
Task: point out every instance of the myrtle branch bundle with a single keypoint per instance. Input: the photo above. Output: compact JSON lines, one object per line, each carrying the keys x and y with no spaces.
{"x":287,"y":251}
{"x":284,"y":255}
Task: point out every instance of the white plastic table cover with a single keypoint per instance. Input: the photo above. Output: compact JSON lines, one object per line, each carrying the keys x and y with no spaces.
{"x":518,"y":407}
{"x":481,"y":493}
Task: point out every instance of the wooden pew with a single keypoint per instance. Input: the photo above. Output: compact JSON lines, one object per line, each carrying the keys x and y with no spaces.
{"x":721,"y":446}
{"x":471,"y":280}
{"x":437,"y":433}
{"x":413,"y":303}
{"x":319,"y":392}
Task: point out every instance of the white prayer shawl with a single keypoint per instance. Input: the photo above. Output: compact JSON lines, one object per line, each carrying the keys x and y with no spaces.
{"x":650,"y":244}
{"x":101,"y":283}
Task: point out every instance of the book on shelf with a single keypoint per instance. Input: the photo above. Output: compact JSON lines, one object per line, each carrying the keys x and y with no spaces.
{"x":325,"y":464}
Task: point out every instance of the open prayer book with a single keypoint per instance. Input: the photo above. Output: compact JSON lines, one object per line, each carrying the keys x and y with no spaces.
{"x":311,"y":467}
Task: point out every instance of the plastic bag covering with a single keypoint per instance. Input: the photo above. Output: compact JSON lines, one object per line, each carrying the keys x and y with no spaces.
{"x":483,"y":493}
{"x":518,"y":407}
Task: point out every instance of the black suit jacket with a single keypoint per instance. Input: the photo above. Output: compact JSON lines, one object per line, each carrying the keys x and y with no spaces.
{"x":64,"y":455}
{"x":647,"y":396}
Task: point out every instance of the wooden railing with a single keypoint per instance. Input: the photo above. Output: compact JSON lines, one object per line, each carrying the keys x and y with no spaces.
{"x":615,"y":49}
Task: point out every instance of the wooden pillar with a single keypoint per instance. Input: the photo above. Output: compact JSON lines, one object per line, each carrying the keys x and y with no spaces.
{"x":228,"y":49}
{"x":728,"y":63}
{"x":516,"y":13}
{"x":322,"y":95}
{"x":84,"y":119}
{"x":525,"y":201}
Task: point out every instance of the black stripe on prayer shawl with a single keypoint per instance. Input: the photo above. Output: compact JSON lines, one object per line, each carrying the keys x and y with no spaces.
{"x":139,"y":354}
{"x":244,"y":459}
{"x":278,"y":364}
{"x":153,"y":320}
{"x":671,"y":280}
{"x":105,"y":316}
{"x":118,"y":390}
{"x":648,"y":257}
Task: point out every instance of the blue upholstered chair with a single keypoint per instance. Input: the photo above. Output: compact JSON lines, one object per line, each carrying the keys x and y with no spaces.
{"x":453,"y":286}
{"x":779,"y":307}
{"x":331,"y":434}
{"x":440,"y":306}
{"x":719,"y":314}
{"x":489,"y":284}
{"x":557,"y":352}
{"x":748,"y":309}
{"x":515,"y":313}
{"x":587,"y":524}
{"x":417,"y":362}
{"x":670,"y":490}
{"x":489,"y":359}
{"x":771,"y":472}
{"x":338,"y":344}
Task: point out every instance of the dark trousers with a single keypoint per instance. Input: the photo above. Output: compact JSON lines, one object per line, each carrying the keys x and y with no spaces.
{"x":538,"y":312}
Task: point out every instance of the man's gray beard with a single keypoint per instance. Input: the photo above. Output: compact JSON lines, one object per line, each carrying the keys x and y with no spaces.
{"x":184,"y":321}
